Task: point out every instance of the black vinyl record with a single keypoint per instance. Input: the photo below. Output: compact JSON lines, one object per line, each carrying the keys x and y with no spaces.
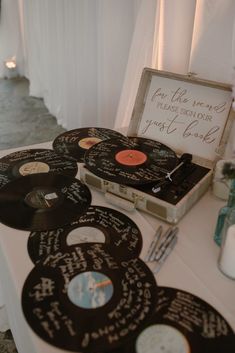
{"x":32,"y":161}
{"x":42,"y":201}
{"x":86,"y":300}
{"x":182,"y":323}
{"x":97,"y":225}
{"x":74,"y":143}
{"x":130,"y":161}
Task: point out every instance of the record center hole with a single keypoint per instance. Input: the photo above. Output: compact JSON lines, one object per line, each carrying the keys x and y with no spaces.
{"x":85,"y":235}
{"x":33,"y":167}
{"x":88,"y":142}
{"x":43,"y":198}
{"x":131,"y":157}
{"x":90,"y":290}
{"x":161,"y":338}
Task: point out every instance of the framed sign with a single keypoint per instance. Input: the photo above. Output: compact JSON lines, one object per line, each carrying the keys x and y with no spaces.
{"x":186,"y":114}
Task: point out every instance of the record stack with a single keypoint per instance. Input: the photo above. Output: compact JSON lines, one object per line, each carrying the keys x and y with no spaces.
{"x":88,"y":290}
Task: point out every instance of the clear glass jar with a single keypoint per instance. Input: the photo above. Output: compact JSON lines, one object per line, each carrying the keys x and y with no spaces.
{"x":223,"y":214}
{"x":226,"y":262}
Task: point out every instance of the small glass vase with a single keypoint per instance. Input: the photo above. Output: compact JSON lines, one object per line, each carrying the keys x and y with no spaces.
{"x":226,"y":262}
{"x":223,"y":214}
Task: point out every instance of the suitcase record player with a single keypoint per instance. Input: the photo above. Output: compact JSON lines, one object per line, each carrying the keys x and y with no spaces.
{"x":191,"y":117}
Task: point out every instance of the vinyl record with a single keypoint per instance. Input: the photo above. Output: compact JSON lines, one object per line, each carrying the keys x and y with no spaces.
{"x":42,"y":201}
{"x":97,"y":225}
{"x":182,"y":323}
{"x":86,"y":300}
{"x":75,"y":143}
{"x":32,"y":161}
{"x":130,"y":161}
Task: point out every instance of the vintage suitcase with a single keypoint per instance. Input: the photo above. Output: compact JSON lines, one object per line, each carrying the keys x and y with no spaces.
{"x":191,"y":116}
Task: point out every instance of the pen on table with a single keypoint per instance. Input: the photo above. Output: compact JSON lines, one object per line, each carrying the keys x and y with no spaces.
{"x":154,"y":243}
{"x":165,"y":254}
{"x":164,"y":244}
{"x":158,"y":243}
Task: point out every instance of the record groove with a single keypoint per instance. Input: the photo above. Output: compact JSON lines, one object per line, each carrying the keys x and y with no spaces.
{"x":42,"y":201}
{"x":74,"y":143}
{"x":85,"y":299}
{"x":21,"y":163}
{"x":97,"y":224}
{"x":130,"y":161}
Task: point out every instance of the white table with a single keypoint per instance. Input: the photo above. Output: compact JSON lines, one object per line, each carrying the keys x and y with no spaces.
{"x":192,"y":266}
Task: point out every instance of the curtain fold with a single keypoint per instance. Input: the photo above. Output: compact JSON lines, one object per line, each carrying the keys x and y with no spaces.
{"x":175,"y":35}
{"x":143,"y":52}
{"x":212,"y":54}
{"x":162,"y":39}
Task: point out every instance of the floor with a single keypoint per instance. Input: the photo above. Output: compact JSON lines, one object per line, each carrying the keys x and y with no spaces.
{"x":24,"y":120}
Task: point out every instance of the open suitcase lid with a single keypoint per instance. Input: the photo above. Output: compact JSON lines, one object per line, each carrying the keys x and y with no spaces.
{"x":187,"y":114}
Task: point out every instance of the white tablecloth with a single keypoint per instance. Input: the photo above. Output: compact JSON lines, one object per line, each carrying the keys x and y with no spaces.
{"x":192,"y":266}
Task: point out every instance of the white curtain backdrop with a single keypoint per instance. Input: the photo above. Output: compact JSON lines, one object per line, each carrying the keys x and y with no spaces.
{"x":75,"y":56}
{"x":212,"y":54}
{"x":194,"y":36}
{"x":85,"y":57}
{"x":162,"y":39}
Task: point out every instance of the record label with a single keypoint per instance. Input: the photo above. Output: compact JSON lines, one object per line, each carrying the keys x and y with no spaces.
{"x":90,"y":290}
{"x":131,"y":157}
{"x":74,"y":143}
{"x":85,"y":235}
{"x":85,"y":299}
{"x":130,"y":161}
{"x":32,"y":161}
{"x":43,"y":198}
{"x":42,"y":201}
{"x":161,"y":338}
{"x":33,"y":167}
{"x":182,"y":323}
{"x":97,"y":225}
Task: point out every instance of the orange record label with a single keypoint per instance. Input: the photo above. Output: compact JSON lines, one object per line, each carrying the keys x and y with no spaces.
{"x":131,"y":157}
